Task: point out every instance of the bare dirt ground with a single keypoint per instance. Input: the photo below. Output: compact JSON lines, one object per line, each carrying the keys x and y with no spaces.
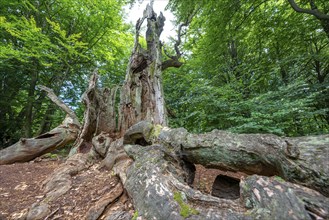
{"x":21,"y":185}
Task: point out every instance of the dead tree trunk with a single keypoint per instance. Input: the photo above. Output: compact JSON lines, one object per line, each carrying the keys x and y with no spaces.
{"x":27,"y":149}
{"x":142,"y":93}
{"x":155,"y":164}
{"x":141,"y":98}
{"x":99,"y":115}
{"x":158,"y":178}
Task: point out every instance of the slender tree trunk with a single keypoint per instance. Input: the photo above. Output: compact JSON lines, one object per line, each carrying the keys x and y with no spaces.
{"x":46,"y":120}
{"x":29,"y":105}
{"x":325,"y":26}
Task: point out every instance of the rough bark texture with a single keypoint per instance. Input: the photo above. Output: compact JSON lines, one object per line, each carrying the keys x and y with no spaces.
{"x":155,"y":164}
{"x":301,"y":160}
{"x":61,"y":104}
{"x":29,"y":148}
{"x":99,"y":116}
{"x":157,"y":179}
{"x":142,"y":93}
{"x":273,"y":198}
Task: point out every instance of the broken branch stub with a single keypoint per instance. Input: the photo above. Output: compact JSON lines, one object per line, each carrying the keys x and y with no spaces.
{"x":60,"y":103}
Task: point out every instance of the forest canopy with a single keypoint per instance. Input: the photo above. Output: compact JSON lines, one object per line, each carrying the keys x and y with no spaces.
{"x":249,"y":66}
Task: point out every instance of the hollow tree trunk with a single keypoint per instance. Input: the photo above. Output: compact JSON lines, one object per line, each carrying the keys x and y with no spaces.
{"x":99,"y":116}
{"x":157,"y":179}
{"x":142,"y":93}
{"x":156,"y":164}
{"x":141,"y":98}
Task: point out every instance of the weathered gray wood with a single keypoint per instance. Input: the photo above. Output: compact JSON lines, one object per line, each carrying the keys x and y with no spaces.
{"x":291,"y":158}
{"x":273,"y":198}
{"x":29,"y":148}
{"x":302,"y":160}
{"x":61,"y":104}
{"x":157,"y":176}
{"x":99,"y":116}
{"x":141,"y":96}
{"x":156,"y":183}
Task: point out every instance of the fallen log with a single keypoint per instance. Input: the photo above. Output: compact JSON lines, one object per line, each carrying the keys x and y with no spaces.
{"x":157,"y":180}
{"x":301,"y":160}
{"x":27,"y":149}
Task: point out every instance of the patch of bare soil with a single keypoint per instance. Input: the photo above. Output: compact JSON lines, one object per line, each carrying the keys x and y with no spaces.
{"x":88,"y":187}
{"x":20,"y":185}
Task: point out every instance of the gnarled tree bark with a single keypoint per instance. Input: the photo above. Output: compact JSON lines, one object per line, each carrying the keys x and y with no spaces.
{"x":158,"y":176}
{"x":286,"y":178}
{"x":27,"y":149}
{"x":142,"y":93}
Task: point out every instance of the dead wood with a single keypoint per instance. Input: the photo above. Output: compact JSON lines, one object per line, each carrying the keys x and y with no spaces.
{"x":29,"y":148}
{"x":158,"y":177}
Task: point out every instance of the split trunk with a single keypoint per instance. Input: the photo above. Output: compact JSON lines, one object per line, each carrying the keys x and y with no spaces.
{"x":284,"y":178}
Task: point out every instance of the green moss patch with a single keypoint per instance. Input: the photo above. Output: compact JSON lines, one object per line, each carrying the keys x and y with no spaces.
{"x":279,"y":179}
{"x":135,"y":215}
{"x":155,"y":132}
{"x":186,"y":210}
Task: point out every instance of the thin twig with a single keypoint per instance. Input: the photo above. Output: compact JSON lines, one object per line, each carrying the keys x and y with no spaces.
{"x":51,"y":214}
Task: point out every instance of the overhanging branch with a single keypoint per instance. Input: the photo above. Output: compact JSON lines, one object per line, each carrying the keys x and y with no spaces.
{"x":315,"y":12}
{"x":174,"y":59}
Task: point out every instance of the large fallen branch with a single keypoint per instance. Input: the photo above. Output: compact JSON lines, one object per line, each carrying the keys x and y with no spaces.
{"x":302,"y":160}
{"x":27,"y":149}
{"x":157,"y":180}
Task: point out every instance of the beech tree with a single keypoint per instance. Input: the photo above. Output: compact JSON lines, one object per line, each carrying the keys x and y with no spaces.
{"x":156,"y":164}
{"x":55,"y":44}
{"x":252,"y":67}
{"x":320,"y":14}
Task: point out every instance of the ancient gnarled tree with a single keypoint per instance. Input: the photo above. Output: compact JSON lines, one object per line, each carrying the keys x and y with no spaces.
{"x":285,"y":178}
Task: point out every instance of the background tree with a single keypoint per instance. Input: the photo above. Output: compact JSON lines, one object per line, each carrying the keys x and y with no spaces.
{"x":55,"y":44}
{"x":154,"y":164}
{"x":252,"y":66}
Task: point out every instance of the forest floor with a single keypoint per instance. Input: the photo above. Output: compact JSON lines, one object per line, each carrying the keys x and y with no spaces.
{"x":21,"y":185}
